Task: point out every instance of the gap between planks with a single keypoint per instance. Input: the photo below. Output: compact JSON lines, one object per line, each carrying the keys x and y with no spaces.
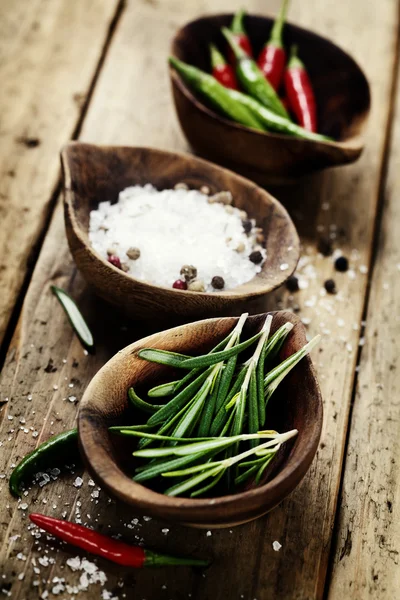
{"x":54,"y":195}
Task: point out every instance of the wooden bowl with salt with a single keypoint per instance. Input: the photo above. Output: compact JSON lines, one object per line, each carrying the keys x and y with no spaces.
{"x":296,"y":404}
{"x":94,"y":174}
{"x":342,"y":96}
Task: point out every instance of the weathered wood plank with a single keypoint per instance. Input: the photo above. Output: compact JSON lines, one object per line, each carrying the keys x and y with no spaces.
{"x":137,"y":109}
{"x":49,"y":52}
{"x":366,"y":559}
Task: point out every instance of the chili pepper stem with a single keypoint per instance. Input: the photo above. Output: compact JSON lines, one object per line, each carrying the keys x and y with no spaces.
{"x":276,"y":32}
{"x":294,"y":60}
{"x":217,"y":60}
{"x":154,"y":559}
{"x":237,"y":22}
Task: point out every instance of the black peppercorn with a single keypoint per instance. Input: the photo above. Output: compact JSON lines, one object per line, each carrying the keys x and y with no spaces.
{"x":325,"y":246}
{"x":330,"y":286}
{"x":218,"y":282}
{"x":292,"y":284}
{"x":341,"y":264}
{"x":256,"y":257}
{"x":247,"y":225}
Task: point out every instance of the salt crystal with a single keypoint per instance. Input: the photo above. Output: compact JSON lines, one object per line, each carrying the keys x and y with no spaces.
{"x":91,"y":483}
{"x":173,"y":228}
{"x":23,"y":506}
{"x":363,"y":269}
{"x":165,"y":531}
{"x":21,"y":556}
{"x":208,"y":533}
{"x":276,"y":546}
{"x":78,"y":482}
{"x":10,"y":417}
{"x":284,"y":267}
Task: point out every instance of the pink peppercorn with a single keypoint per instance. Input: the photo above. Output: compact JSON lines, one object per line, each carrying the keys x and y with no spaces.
{"x":179,"y":285}
{"x":114,"y":260}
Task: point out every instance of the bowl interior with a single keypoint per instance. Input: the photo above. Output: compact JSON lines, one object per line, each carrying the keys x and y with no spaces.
{"x":341,"y":88}
{"x":296,"y":404}
{"x":94,"y":174}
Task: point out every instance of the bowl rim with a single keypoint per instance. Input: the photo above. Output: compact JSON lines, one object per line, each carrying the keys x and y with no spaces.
{"x":237,"y":293}
{"x":157,"y":504}
{"x":354,"y":143}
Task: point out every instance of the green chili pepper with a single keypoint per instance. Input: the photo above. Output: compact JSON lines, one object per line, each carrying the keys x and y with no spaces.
{"x":252,"y":78}
{"x":54,"y":451}
{"x":209,"y":87}
{"x":267,"y":119}
{"x":274,"y":122}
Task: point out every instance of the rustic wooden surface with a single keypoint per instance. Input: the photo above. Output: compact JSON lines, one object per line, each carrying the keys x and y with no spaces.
{"x":46,"y":371}
{"x":49,"y":52}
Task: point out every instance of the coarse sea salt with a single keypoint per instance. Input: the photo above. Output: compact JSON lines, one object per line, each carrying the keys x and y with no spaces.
{"x":172,"y":228}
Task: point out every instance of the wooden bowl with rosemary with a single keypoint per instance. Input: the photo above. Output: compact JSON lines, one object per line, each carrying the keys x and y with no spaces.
{"x":155,"y":454}
{"x":341,"y":91}
{"x":94,"y":174}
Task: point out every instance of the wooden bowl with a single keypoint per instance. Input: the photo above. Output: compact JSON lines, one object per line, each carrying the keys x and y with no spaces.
{"x":93,"y":174}
{"x":296,"y":404}
{"x":342,"y":96}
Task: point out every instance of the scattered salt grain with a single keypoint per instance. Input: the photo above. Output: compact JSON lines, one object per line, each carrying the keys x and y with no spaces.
{"x":23,"y":506}
{"x":165,"y":531}
{"x":78,"y":482}
{"x":173,"y":228}
{"x":208,"y":533}
{"x":276,"y":546}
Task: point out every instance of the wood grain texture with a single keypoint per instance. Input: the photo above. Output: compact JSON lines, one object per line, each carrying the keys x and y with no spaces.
{"x":49,"y":52}
{"x":367,"y":545}
{"x":94,"y":174}
{"x":296,"y":405}
{"x":342,"y":99}
{"x":137,"y":109}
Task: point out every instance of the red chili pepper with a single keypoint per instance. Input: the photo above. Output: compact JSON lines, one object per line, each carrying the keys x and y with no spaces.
{"x":221,"y":70}
{"x":300,"y":93}
{"x":241,"y":36}
{"x":272,"y":58}
{"x":114,"y":550}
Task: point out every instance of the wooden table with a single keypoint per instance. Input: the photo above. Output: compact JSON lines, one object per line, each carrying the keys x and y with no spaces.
{"x":96,"y":71}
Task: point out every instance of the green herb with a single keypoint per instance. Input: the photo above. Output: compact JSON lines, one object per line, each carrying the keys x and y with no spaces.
{"x":75,"y":317}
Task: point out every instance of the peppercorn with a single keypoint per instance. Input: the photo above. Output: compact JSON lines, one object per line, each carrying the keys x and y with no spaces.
{"x":133,"y":253}
{"x":292,"y":284}
{"x":114,"y":260}
{"x":181,"y":186}
{"x":330,"y":286}
{"x":256,"y":257}
{"x":218,"y":282}
{"x":247,"y":225}
{"x":189,"y":272}
{"x":179,"y":285}
{"x":325,"y":246}
{"x":197,"y":285}
{"x":221,"y":197}
{"x":341,"y":264}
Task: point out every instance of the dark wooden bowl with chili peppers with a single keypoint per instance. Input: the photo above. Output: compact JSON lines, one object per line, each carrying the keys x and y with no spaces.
{"x":341,"y":93}
{"x":296,"y":404}
{"x":93,"y":174}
